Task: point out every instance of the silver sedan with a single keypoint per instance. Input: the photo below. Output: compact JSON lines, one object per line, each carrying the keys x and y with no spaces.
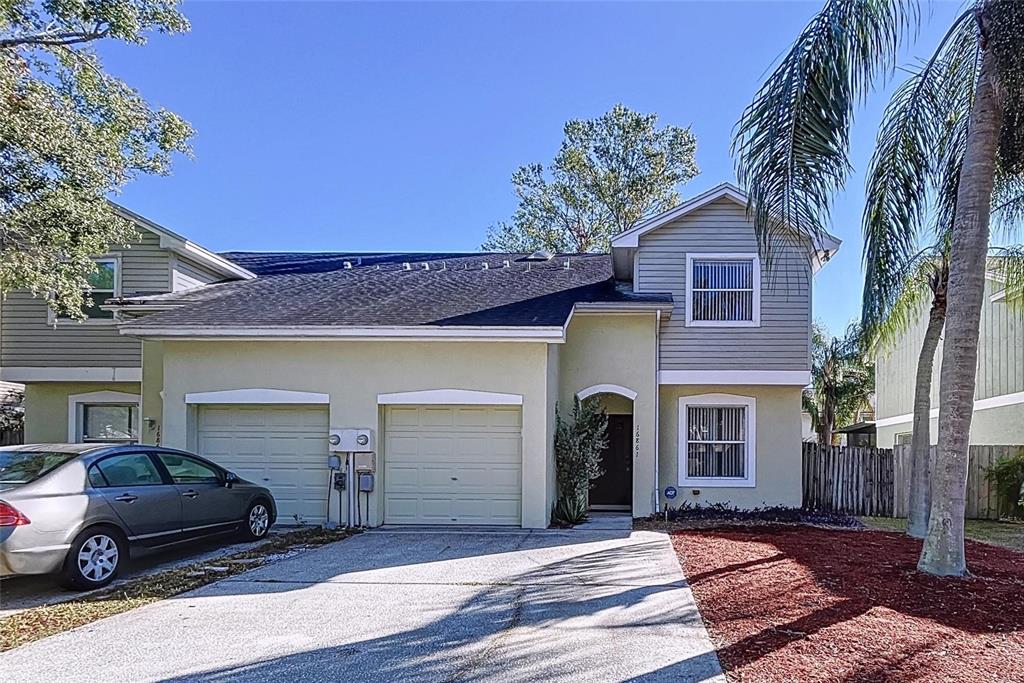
{"x":80,"y":509}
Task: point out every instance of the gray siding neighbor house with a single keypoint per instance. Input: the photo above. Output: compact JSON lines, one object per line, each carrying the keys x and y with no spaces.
{"x":456,"y":363}
{"x":999,"y":395}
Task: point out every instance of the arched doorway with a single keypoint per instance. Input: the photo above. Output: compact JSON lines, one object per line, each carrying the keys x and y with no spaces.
{"x":613,"y":490}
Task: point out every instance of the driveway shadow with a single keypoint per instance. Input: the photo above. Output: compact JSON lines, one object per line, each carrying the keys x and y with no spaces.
{"x":598,"y":615}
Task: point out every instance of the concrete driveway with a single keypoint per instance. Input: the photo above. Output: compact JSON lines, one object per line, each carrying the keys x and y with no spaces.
{"x":411,"y":605}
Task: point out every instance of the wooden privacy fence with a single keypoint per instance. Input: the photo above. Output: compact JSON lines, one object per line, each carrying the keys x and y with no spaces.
{"x":876,"y":481}
{"x":850,"y":480}
{"x":982,"y":500}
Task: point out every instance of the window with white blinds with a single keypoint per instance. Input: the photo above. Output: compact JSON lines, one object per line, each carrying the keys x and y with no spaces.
{"x":716,"y":441}
{"x":723,"y":290}
{"x":716,"y":445}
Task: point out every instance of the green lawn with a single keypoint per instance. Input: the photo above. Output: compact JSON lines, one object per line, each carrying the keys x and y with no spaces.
{"x":1005,"y":534}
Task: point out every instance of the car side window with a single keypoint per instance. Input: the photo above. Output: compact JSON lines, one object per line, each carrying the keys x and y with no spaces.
{"x":128,"y":469}
{"x":186,"y":470}
{"x":96,"y":478}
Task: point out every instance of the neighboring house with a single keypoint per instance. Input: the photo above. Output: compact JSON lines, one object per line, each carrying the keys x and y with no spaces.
{"x":456,"y":361}
{"x":999,"y":394}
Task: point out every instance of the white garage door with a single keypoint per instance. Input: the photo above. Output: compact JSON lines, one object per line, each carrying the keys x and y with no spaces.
{"x":281,"y":447}
{"x":453,"y":465}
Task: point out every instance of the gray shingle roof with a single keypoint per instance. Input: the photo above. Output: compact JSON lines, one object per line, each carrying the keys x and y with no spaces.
{"x":378,"y":289}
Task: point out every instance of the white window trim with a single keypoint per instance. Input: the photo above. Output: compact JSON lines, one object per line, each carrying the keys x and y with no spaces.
{"x":725,"y":401}
{"x":76,"y":401}
{"x":450,"y":397}
{"x":251,"y":396}
{"x":606,"y":389}
{"x":718,"y":256}
{"x":53,"y":319}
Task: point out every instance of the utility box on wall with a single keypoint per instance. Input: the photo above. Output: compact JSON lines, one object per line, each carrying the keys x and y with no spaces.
{"x":352,"y":440}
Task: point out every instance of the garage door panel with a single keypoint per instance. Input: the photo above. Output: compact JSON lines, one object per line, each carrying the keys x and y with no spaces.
{"x":282,"y":447}
{"x":445,"y":465}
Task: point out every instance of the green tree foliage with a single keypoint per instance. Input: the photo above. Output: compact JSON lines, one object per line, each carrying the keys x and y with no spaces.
{"x":70,"y":135}
{"x":579,"y":446}
{"x":1007,"y":476}
{"x":609,"y":173}
{"x":842,"y":381}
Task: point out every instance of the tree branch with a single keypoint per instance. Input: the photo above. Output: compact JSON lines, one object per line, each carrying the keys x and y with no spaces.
{"x":55,"y":39}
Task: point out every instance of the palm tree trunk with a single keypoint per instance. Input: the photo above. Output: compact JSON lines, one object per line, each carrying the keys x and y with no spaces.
{"x":920,"y":449}
{"x":943,"y":551}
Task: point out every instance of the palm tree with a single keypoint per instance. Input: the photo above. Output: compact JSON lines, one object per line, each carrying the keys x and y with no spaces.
{"x":793,"y":144}
{"x":888,"y":316}
{"x":841,"y":381}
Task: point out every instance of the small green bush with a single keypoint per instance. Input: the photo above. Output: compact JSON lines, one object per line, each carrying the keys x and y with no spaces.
{"x":579,"y":446}
{"x":1007,"y":475}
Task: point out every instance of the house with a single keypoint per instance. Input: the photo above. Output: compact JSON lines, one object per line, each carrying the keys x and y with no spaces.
{"x":999,"y":393}
{"x":457,"y":362}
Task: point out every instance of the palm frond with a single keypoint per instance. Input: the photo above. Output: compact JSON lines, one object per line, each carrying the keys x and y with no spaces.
{"x":916,"y":162}
{"x":1007,"y":263}
{"x":792,"y":142}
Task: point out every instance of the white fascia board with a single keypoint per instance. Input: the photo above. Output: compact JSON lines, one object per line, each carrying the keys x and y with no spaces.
{"x":824,"y":243}
{"x":554,"y":335}
{"x":981,"y":404}
{"x":631,"y":237}
{"x":799,"y":378}
{"x":271,"y":396}
{"x":181,"y":245}
{"x":450,"y":397}
{"x":53,"y":374}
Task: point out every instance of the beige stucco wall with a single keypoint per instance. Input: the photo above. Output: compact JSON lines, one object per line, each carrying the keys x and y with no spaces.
{"x":1002,"y":426}
{"x":777,"y":458}
{"x":621,"y":350}
{"x":152,"y":385}
{"x":354,"y":373}
{"x":46,"y":406}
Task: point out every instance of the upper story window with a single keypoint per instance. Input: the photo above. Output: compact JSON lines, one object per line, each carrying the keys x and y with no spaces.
{"x":723,"y":290}
{"x":103,"y":285}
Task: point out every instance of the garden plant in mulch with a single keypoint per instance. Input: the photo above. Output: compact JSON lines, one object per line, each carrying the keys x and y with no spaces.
{"x":798,"y":603}
{"x":695,"y":516}
{"x":46,"y":620}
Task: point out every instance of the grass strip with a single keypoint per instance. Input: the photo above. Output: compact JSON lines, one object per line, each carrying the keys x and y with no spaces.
{"x":46,"y":620}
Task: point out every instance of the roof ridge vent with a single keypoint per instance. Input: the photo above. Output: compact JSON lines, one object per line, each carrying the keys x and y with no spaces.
{"x":540,"y":255}
{"x":426,"y":266}
{"x":406,"y":266}
{"x":567,"y":263}
{"x":485,"y":266}
{"x":347,"y":265}
{"x":508,"y":264}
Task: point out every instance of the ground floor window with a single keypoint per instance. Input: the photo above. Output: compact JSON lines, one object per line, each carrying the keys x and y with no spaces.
{"x":716,"y":440}
{"x":110,"y":423}
{"x":904,"y":438}
{"x":103,"y":417}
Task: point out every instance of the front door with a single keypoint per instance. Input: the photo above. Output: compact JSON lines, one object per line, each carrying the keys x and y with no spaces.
{"x":614,"y":488}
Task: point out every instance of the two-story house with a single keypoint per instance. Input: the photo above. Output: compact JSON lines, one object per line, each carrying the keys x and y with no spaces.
{"x":457,"y":362}
{"x":999,"y":394}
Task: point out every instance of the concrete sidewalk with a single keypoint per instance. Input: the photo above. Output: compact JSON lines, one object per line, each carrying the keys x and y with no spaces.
{"x":412,"y":606}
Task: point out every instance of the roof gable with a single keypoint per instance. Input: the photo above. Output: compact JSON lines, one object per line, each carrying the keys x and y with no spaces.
{"x":827,"y":244}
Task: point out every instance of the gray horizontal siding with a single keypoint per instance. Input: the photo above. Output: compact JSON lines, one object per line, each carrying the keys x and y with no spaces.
{"x":28,"y":339}
{"x":186,"y":274}
{"x":1000,"y":359}
{"x":780,"y":343}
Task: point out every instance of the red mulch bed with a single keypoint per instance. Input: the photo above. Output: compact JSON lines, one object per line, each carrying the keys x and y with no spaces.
{"x":807,"y":604}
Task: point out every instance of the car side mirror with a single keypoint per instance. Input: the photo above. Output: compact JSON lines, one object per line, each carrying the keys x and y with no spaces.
{"x":230,"y":478}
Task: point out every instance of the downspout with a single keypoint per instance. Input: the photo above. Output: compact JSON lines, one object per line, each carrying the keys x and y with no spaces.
{"x":657,"y":410}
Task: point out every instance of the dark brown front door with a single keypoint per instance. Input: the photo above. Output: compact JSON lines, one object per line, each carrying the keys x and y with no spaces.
{"x":615,"y":486}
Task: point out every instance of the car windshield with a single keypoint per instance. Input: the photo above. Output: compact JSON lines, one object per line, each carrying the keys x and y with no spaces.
{"x":23,"y":467}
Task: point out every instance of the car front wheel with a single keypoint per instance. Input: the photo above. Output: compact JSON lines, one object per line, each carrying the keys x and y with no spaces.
{"x":94,"y":559}
{"x":256,"y":525}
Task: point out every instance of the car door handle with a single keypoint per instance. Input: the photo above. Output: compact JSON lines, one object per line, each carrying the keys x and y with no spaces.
{"x":127,"y":498}
{"x":191,"y":494}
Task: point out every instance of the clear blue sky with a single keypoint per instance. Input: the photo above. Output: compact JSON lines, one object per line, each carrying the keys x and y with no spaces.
{"x":364,"y":126}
